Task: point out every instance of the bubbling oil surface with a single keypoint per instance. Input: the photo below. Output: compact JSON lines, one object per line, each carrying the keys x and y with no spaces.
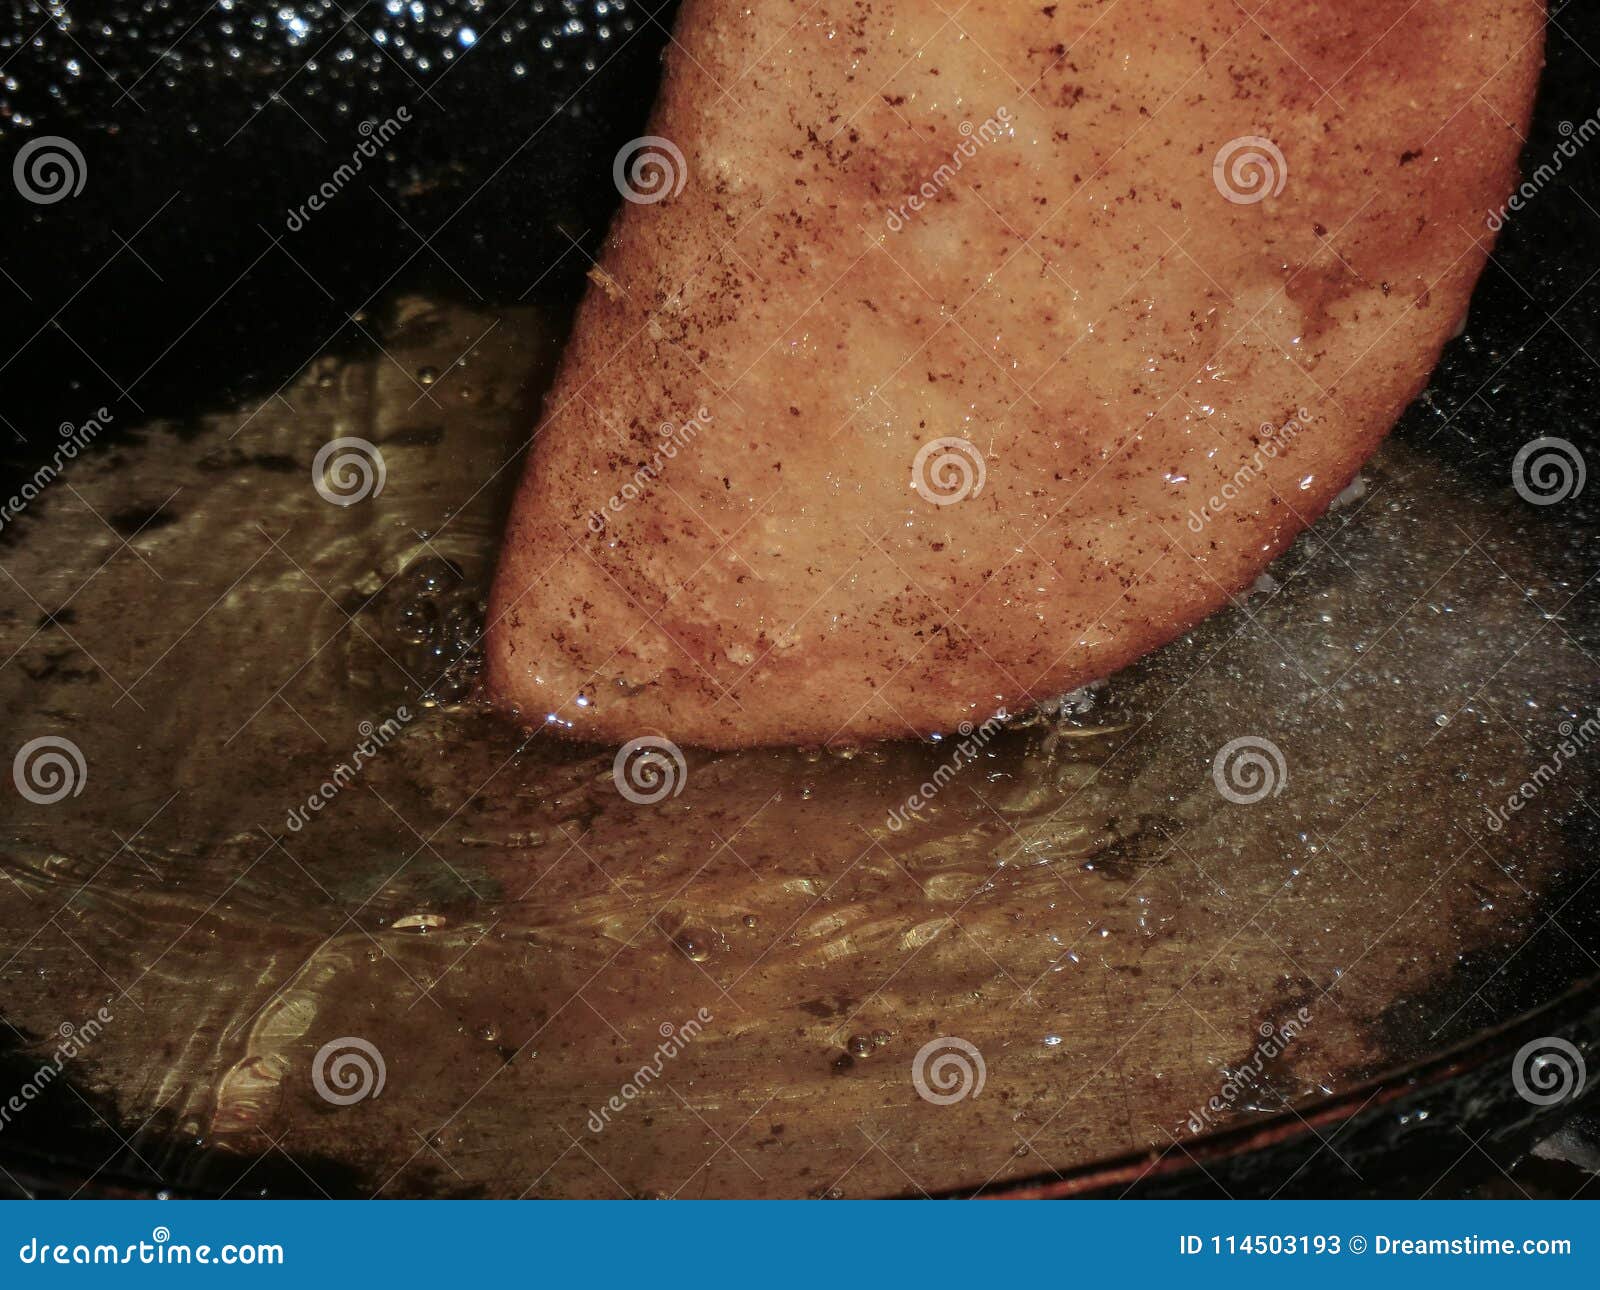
{"x":902,"y":968}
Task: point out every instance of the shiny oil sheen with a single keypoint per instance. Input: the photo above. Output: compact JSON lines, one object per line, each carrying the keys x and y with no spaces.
{"x":517,"y":940}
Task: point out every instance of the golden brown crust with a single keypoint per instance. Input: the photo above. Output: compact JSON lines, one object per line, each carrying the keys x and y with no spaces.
{"x":1077,"y":290}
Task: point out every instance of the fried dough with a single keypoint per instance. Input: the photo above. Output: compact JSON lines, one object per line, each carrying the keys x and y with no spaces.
{"x":943,"y":359}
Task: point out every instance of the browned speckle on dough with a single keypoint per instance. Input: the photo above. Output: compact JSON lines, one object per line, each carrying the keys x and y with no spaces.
{"x":1076,"y":299}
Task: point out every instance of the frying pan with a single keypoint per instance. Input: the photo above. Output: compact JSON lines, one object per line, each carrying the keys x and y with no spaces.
{"x":507,"y":940}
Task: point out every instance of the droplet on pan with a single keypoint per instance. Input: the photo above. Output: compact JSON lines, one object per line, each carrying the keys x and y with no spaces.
{"x":419,"y":923}
{"x":694,"y":943}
